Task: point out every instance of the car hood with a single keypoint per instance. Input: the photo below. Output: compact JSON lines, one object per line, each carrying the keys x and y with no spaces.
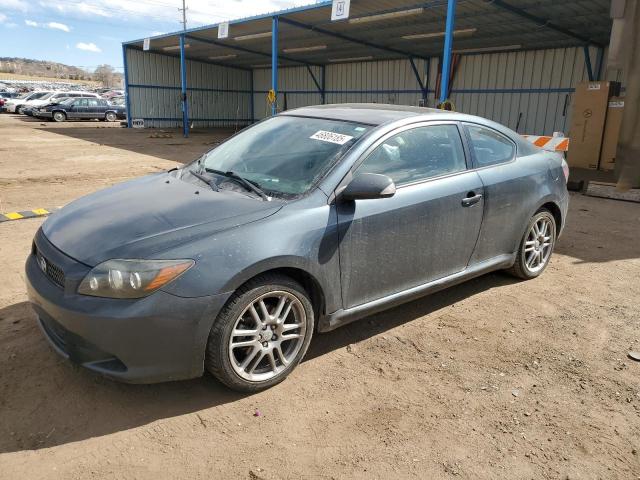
{"x":144,"y":217}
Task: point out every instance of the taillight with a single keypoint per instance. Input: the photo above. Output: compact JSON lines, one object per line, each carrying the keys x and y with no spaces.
{"x":565,"y":170}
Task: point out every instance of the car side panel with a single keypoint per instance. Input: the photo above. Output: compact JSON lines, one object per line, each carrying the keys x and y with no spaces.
{"x":513,"y":191}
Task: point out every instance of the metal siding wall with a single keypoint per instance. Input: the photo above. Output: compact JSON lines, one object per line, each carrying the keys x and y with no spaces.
{"x":498,"y":86}
{"x":151,"y":71}
{"x":295,"y":81}
{"x":389,"y":81}
{"x":533,"y":85}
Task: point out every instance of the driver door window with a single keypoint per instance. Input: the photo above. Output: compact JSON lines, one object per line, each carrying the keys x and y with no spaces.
{"x":418,"y":154}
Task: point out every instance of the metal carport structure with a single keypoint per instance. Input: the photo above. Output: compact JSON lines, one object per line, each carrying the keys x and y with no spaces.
{"x":418,"y":39}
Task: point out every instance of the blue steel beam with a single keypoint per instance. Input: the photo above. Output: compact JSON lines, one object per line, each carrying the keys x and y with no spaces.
{"x":348,"y":38}
{"x":419,"y":79}
{"x":543,"y":22}
{"x":599,"y":58}
{"x":323,"y":94}
{"x":206,"y":62}
{"x":274,"y":62}
{"x":183,"y":87}
{"x":252,"y":101}
{"x":448,"y":48}
{"x":587,"y":61}
{"x":247,"y":50}
{"x":126,"y":85}
{"x":315,"y":80}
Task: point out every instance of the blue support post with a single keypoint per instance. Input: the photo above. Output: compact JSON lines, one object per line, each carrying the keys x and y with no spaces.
{"x":274,"y":62}
{"x":587,"y":61}
{"x":126,"y":85}
{"x":448,"y":48}
{"x":183,"y":89}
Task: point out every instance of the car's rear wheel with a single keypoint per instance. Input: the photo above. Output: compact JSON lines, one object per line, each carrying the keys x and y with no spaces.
{"x":536,"y":246}
{"x":110,"y":117}
{"x":59,"y":116}
{"x":261,"y":334}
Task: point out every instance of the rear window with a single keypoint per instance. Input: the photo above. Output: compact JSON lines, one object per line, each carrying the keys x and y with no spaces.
{"x":490,"y":147}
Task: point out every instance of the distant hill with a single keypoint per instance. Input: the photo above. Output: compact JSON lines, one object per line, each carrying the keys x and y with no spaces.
{"x":52,"y":70}
{"x":40,"y":68}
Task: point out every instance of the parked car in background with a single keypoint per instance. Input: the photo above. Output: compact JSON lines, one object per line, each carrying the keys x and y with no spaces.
{"x":4,"y":96}
{"x":120,"y":101}
{"x":16,"y":105}
{"x":112,"y":93}
{"x":302,"y":223}
{"x":53,"y":99}
{"x":81,"y":108}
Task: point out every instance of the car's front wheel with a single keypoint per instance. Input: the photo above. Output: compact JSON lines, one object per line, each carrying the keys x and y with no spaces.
{"x":110,"y":117}
{"x":536,"y":246}
{"x":261,"y":334}
{"x":59,"y":116}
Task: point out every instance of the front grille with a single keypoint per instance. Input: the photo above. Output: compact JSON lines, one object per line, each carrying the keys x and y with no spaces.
{"x":51,"y":270}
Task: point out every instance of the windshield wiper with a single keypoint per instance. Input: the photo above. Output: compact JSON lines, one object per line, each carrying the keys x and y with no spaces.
{"x":205,"y":179}
{"x":248,"y":184}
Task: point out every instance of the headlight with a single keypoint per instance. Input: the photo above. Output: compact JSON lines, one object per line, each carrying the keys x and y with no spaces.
{"x":131,"y":278}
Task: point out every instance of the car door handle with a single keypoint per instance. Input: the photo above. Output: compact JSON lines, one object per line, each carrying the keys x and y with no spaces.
{"x":471,"y":199}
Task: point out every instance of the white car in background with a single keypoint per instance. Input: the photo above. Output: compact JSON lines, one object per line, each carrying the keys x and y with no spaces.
{"x":16,"y":105}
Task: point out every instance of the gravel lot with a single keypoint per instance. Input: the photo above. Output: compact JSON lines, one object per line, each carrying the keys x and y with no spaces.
{"x":495,"y":378}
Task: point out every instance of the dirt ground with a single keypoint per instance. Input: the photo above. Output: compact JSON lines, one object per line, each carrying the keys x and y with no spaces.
{"x":495,"y":378}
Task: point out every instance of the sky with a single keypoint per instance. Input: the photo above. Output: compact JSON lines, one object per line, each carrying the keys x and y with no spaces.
{"x":88,"y":33}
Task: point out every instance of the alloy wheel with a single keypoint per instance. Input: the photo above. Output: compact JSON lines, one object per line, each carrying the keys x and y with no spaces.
{"x":267,"y":336}
{"x":539,"y":244}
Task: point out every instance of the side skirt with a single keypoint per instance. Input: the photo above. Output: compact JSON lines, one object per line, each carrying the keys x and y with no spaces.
{"x":342,"y":317}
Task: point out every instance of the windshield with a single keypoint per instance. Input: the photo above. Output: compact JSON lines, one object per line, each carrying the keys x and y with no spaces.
{"x":284,"y":155}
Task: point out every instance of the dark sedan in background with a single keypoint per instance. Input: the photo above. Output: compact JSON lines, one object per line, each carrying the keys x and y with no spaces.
{"x":301,"y":223}
{"x":81,"y":108}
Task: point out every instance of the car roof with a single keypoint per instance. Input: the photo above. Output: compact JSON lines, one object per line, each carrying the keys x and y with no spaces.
{"x":377,"y":114}
{"x":368,"y":113}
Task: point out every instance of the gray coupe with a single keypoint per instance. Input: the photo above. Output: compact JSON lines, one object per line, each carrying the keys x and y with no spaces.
{"x":304,"y":222}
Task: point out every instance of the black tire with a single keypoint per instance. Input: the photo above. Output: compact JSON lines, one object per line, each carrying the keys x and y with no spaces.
{"x":59,"y":116}
{"x":110,"y":117}
{"x":19,"y":109}
{"x":520,"y":268}
{"x":217,"y":358}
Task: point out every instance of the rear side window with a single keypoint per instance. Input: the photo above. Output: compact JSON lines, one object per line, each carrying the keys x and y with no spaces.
{"x":417,"y":154}
{"x":490,"y":147}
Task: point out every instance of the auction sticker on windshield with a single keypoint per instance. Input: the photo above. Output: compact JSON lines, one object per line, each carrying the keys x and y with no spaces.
{"x":331,"y":137}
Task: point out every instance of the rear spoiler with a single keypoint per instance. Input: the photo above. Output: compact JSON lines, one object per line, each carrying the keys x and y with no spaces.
{"x":557,"y":143}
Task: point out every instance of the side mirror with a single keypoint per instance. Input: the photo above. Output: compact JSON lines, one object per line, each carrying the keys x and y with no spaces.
{"x":366,"y":186}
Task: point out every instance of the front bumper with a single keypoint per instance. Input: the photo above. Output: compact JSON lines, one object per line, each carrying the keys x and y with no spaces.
{"x":43,"y":114}
{"x":158,"y":338}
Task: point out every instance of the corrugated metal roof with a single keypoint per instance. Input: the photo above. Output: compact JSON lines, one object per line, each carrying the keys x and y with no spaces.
{"x":406,"y":28}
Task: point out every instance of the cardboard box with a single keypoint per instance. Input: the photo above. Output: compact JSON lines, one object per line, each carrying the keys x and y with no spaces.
{"x":611,"y":133}
{"x":590,"y":103}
